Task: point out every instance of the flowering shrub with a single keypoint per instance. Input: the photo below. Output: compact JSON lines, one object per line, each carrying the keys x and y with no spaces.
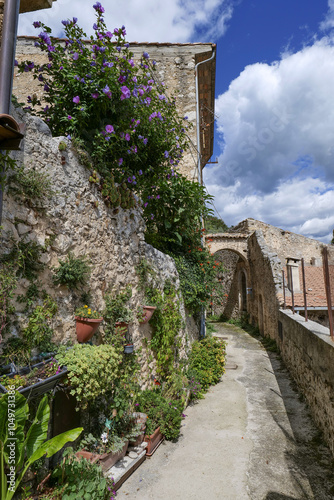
{"x":87,"y":312}
{"x":97,"y":92}
{"x":115,"y":108}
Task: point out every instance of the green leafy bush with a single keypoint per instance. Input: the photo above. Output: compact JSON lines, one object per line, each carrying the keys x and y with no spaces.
{"x":80,"y":479}
{"x":38,"y":333}
{"x":207,"y":361}
{"x":30,"y":444}
{"x":8,"y":282}
{"x":24,"y":256}
{"x":161,"y":412}
{"x":31,"y":184}
{"x":92,"y":370}
{"x":72,"y":271}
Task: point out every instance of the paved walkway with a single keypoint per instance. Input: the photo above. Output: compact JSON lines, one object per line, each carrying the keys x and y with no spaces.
{"x":250,"y":438}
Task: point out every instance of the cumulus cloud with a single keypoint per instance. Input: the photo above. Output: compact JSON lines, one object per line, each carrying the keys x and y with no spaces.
{"x":276,"y":130}
{"x":303,"y":206}
{"x":149,"y":21}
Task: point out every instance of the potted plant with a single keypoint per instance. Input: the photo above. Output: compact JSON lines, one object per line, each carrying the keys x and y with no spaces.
{"x":116,"y":311}
{"x":106,"y":449}
{"x":145,"y":313}
{"x":34,"y":380}
{"x":87,"y":322}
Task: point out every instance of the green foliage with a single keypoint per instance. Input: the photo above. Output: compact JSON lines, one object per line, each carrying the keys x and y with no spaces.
{"x":207,"y":361}
{"x":30,"y":184}
{"x":72,"y":271}
{"x":28,"y":446}
{"x":161,"y":412}
{"x":87,"y":312}
{"x":92,"y":370}
{"x":38,"y":333}
{"x":16,"y":350}
{"x":6,"y":163}
{"x":177,"y":206}
{"x":167,"y":323}
{"x":116,"y":309}
{"x":81,"y":479}
{"x":8,"y":282}
{"x":215,"y":225}
{"x":176,"y":387}
{"x":114,"y":195}
{"x":25,"y":256}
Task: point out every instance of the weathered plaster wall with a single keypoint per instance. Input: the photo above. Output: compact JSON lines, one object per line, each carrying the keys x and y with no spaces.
{"x":175,"y":67}
{"x":113,"y":242}
{"x":308,"y":353}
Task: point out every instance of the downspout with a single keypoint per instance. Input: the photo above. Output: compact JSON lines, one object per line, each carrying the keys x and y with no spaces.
{"x":7,"y":59}
{"x":199,"y":169}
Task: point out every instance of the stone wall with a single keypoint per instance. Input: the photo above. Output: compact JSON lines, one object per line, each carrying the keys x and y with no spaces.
{"x":308,"y":353}
{"x":76,"y":219}
{"x":175,"y":67}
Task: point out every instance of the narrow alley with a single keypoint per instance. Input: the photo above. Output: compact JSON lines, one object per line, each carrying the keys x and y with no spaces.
{"x":250,"y":438}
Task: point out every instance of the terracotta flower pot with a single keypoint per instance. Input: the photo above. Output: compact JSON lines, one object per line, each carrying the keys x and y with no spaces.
{"x":153,"y":441}
{"x":147,"y":314}
{"x":106,"y":460}
{"x":86,"y":327}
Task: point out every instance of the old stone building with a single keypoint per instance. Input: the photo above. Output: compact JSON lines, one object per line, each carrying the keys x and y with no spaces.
{"x":254,"y":256}
{"x":188,"y":71}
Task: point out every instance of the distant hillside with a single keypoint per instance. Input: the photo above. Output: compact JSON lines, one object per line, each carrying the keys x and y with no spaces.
{"x":215,"y":225}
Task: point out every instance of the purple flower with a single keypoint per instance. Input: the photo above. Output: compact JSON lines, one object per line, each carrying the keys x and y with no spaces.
{"x":95,"y":27}
{"x":166,"y":154}
{"x":127,"y":136}
{"x":118,"y":48}
{"x":120,"y":161}
{"x":107,"y":91}
{"x":65,"y":23}
{"x":76,"y":99}
{"x":158,"y":197}
{"x":45,"y":37}
{"x":95,"y":95}
{"x":125,"y":92}
{"x":75,"y":56}
{"x":109,"y":129}
{"x":69,"y":117}
{"x":98,"y":7}
{"x":36,"y":24}
{"x":145,"y":205}
{"x":140,"y":172}
{"x":145,"y":55}
{"x":145,"y":141}
{"x":75,"y":20}
{"x":129,"y":180}
{"x":46,"y":88}
{"x":109,"y":34}
{"x":152,"y":216}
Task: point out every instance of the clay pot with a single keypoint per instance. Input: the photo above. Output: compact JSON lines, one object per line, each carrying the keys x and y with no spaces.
{"x":153,"y":441}
{"x":147,"y":314}
{"x":86,"y":327}
{"x":106,"y":460}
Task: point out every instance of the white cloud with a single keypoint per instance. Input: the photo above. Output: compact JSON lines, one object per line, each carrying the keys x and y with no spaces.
{"x":328,"y":23}
{"x":149,"y":21}
{"x":276,"y":127}
{"x":301,"y":206}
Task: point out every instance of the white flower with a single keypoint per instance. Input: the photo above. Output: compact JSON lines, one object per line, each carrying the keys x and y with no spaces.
{"x":104,"y":437}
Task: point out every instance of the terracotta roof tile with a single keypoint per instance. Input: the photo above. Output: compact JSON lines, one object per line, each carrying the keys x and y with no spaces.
{"x":315,"y":288}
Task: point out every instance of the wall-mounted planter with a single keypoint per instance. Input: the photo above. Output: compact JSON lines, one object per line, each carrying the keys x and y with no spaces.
{"x":40,"y":387}
{"x":106,"y":460}
{"x":128,"y":349}
{"x":153,"y":441}
{"x":86,"y":327}
{"x":147,"y":314}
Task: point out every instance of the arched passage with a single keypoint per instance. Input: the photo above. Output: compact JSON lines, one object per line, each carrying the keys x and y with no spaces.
{"x":235,"y":281}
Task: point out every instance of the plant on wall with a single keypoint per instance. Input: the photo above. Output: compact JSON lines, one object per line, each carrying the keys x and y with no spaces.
{"x":72,"y":271}
{"x":38,"y":333}
{"x":8,"y":283}
{"x":92,"y":370}
{"x":31,"y":185}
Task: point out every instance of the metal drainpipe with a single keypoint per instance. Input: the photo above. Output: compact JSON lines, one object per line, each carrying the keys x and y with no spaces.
{"x":199,"y":170}
{"x":7,"y":58}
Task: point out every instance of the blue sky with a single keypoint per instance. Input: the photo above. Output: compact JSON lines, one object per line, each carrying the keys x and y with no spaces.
{"x":274,"y":137}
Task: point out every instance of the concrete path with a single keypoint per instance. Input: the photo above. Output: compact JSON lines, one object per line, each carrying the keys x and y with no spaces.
{"x":250,"y":438}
